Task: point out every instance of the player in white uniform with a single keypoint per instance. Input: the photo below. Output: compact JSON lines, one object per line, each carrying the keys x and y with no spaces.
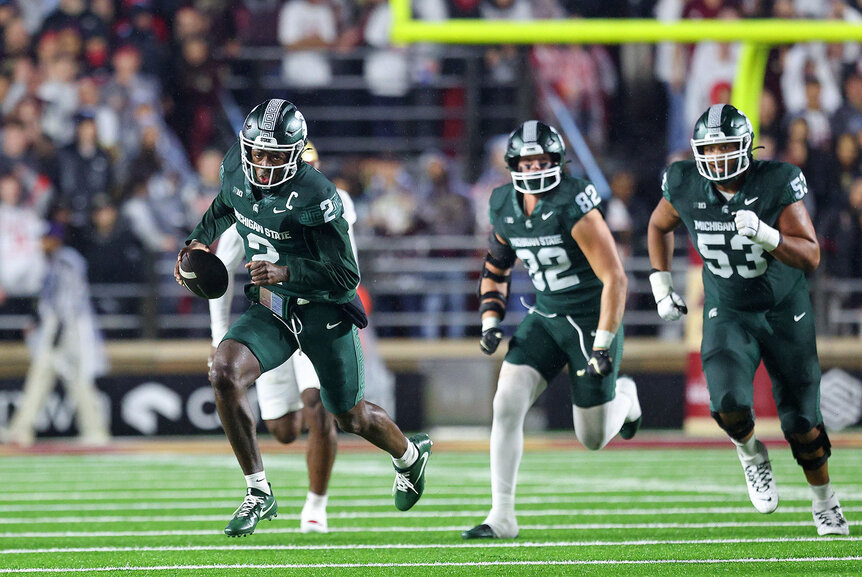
{"x":289,"y":396}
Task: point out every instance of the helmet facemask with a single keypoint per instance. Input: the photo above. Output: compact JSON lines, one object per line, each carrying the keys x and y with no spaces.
{"x":530,"y":139}
{"x":537,"y":181}
{"x":279,"y":173}
{"x":720,"y":167}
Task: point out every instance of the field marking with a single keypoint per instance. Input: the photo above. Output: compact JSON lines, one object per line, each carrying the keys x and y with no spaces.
{"x":405,"y":546}
{"x":414,"y":529}
{"x":437,"y":564}
{"x":415,"y":514}
{"x":428,"y":500}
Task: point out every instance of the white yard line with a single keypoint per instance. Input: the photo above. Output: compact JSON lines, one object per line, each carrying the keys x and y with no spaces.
{"x":405,"y":546}
{"x":414,"y":529}
{"x":416,"y":514}
{"x":438,"y":564}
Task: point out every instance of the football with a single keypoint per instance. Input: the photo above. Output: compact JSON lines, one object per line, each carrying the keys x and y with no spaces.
{"x":204,"y":274}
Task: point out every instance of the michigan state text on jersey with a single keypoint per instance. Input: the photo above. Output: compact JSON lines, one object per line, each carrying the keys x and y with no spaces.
{"x":552,"y":223}
{"x":747,"y":220}
{"x":303,"y":286}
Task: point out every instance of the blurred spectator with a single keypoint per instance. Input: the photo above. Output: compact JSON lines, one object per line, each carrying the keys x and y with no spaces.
{"x":804,"y":65}
{"x":15,"y":159}
{"x":848,"y":167}
{"x":671,"y":63}
{"x":148,"y":33}
{"x":306,"y":29}
{"x":129,"y":87}
{"x":198,"y":193}
{"x":107,"y":120}
{"x":73,"y":15}
{"x":495,"y":173}
{"x":84,"y":171}
{"x":21,"y":228}
{"x":848,"y":116}
{"x":113,"y":254}
{"x":841,"y":232}
{"x":617,"y":214}
{"x":445,"y":210}
{"x":16,"y":39}
{"x":711,"y":73}
{"x":67,"y":344}
{"x":196,"y":82}
{"x":59,"y":96}
{"x":585,"y":79}
{"x":817,"y":166}
{"x":386,"y":70}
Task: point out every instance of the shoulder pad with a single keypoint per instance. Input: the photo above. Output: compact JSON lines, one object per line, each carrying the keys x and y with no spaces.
{"x":675,"y":176}
{"x":325,"y":211}
{"x":499,"y":196}
{"x":232,"y":160}
{"x":786,"y":177}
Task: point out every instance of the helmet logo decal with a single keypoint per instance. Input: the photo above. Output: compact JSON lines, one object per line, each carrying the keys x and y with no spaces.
{"x":714,"y":120}
{"x":270,"y":115}
{"x":531,"y":131}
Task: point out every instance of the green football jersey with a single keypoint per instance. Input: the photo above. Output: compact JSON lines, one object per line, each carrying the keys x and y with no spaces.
{"x":564,"y":280}
{"x":737,"y":272}
{"x":298,"y":224}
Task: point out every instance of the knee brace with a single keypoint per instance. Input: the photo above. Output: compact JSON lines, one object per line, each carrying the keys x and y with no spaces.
{"x":803,"y":450}
{"x":739,"y":429}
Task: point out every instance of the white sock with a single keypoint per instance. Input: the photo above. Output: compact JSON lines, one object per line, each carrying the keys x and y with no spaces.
{"x":747,"y":449}
{"x":517,"y":388}
{"x":316,"y":501}
{"x":596,"y":426}
{"x":408,"y":458}
{"x":822,"y":492}
{"x":258,"y":481}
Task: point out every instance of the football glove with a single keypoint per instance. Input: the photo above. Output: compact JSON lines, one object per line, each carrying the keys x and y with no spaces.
{"x":750,"y":226}
{"x":491,"y":340}
{"x":669,"y":304}
{"x":599,"y":365}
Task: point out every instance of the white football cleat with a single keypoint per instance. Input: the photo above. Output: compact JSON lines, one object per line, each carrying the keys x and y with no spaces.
{"x":759,"y":479}
{"x":313,"y":519}
{"x":828,"y":517}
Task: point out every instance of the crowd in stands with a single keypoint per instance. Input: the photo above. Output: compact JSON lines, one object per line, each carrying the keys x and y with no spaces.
{"x":112,"y":121}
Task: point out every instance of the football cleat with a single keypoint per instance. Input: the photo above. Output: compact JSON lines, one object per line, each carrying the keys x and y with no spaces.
{"x":256,"y":507}
{"x":626,"y":386}
{"x":313,"y":519}
{"x":759,"y":479}
{"x":410,"y":482}
{"x":828,"y":517}
{"x":486,"y":531}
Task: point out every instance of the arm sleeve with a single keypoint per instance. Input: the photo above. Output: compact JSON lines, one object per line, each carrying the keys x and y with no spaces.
{"x":217,"y":219}
{"x":230,"y":251}
{"x":335,"y":266}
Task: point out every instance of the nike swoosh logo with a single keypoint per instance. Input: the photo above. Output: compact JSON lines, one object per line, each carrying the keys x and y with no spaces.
{"x":547,"y":215}
{"x":268,"y":509}
{"x":797,"y":318}
{"x":422,"y":469}
{"x":276,"y":211}
{"x":186,"y":274}
{"x":332,"y":326}
{"x":748,"y":201}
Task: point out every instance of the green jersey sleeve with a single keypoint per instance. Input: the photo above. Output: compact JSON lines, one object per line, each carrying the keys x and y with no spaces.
{"x":327,"y":211}
{"x":333,"y":264}
{"x":217,"y":219}
{"x":795,"y":188}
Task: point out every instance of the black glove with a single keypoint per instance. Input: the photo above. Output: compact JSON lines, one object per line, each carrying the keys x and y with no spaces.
{"x":599,"y":365}
{"x":491,"y":340}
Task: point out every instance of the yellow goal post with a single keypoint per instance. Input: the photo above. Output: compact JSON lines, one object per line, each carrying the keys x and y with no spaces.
{"x":757,"y":36}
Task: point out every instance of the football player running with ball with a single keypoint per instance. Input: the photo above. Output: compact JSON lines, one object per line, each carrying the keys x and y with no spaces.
{"x":748,"y":222}
{"x":289,"y":395}
{"x":303,"y":291}
{"x":552,"y":222}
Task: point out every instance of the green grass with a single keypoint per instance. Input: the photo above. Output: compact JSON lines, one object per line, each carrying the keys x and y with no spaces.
{"x":614,"y":512}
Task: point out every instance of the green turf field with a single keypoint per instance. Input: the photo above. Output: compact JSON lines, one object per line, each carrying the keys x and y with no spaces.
{"x":645,"y":511}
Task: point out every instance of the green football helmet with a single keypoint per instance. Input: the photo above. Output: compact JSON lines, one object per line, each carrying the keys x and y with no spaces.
{"x":722,"y":124}
{"x":535,"y":137}
{"x":273,"y":126}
